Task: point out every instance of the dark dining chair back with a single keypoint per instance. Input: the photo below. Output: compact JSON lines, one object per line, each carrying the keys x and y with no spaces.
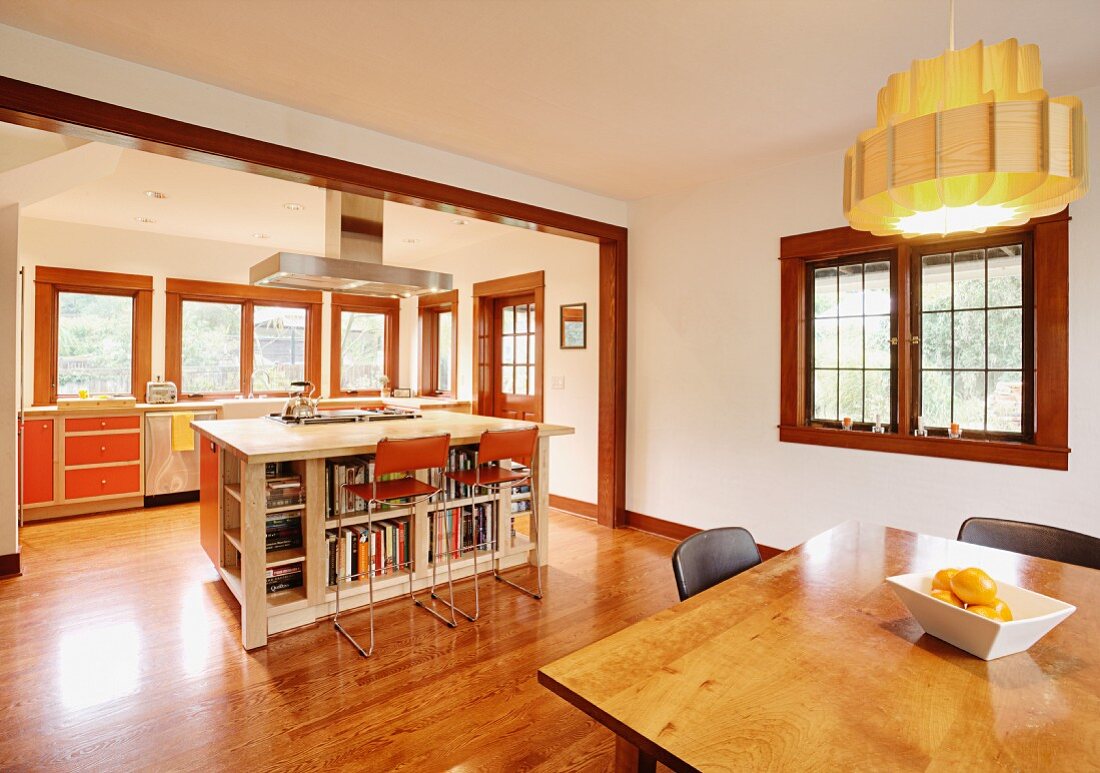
{"x":1033,"y":539}
{"x":709,"y":557}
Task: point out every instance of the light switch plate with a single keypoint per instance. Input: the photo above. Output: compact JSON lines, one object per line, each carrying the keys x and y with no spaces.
{"x":557,"y":382}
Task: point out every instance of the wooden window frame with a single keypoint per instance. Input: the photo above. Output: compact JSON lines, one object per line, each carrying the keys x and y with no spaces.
{"x":49,"y":281}
{"x":848,"y":260}
{"x":430,"y":307}
{"x":953,"y":245}
{"x":248,"y":297}
{"x":391,"y":307}
{"x":1049,"y":445}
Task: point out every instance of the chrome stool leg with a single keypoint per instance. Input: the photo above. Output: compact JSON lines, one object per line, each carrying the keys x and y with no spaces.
{"x":350,"y":575}
{"x":477,"y":599}
{"x":535,"y":594}
{"x":452,"y":622}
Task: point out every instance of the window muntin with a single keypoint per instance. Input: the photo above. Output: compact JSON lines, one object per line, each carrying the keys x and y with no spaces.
{"x":278,"y":347}
{"x":852,"y":326}
{"x":973,"y":323}
{"x":517,"y":350}
{"x":362,"y":350}
{"x":210,"y":345}
{"x":95,"y":337}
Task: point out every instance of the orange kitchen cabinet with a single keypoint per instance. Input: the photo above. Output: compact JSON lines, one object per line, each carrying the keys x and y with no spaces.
{"x":102,"y":449}
{"x":38,"y":470}
{"x":210,"y":525}
{"x":102,"y":481}
{"x":98,"y":423}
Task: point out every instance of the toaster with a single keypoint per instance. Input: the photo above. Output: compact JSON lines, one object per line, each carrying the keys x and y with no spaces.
{"x":159,"y":392}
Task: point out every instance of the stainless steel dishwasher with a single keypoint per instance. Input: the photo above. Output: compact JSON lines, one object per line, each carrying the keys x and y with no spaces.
{"x":170,"y":476}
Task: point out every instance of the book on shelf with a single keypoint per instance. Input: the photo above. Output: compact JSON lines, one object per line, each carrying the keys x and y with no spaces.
{"x":522,"y":506}
{"x":459,"y":529}
{"x":284,"y":577}
{"x":382,"y":549}
{"x":284,"y":490}
{"x":284,"y":531}
{"x":349,"y":471}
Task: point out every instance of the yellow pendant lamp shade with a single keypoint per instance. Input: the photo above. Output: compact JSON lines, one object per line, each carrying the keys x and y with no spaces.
{"x":964,"y":142}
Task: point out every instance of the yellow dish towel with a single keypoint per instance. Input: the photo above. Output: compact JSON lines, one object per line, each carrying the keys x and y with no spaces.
{"x":183,"y":437}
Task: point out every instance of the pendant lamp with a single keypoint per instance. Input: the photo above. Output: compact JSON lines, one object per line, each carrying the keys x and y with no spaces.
{"x":966,"y":141}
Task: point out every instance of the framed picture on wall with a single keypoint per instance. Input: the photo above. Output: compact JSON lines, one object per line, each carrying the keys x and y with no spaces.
{"x":574,"y":326}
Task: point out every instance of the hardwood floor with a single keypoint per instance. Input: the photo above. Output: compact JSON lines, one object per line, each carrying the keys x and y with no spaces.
{"x":121,"y":651}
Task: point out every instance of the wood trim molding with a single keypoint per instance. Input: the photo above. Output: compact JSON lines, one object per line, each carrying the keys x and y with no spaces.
{"x":48,"y":282}
{"x":248,"y":296}
{"x":576,"y":507}
{"x":197,"y":288}
{"x":510,"y":285}
{"x":429,"y":308}
{"x":1050,"y":259}
{"x":391,"y":307}
{"x":9,"y":565}
{"x":39,"y":107}
{"x":678,"y":531}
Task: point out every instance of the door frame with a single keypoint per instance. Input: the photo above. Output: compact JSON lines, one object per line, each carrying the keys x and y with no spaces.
{"x":484,"y":348}
{"x":29,"y":104}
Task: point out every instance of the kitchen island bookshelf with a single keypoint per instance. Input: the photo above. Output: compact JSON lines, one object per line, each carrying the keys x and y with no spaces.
{"x":234,"y":513}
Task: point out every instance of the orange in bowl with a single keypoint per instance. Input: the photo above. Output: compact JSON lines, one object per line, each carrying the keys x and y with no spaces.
{"x":974,"y":586}
{"x":942,"y":580}
{"x":948,"y":596}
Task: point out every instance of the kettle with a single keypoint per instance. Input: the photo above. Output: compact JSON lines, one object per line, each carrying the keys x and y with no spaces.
{"x":300,"y":404}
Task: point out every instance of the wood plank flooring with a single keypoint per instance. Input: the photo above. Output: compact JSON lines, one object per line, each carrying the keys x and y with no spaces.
{"x":120,"y":650}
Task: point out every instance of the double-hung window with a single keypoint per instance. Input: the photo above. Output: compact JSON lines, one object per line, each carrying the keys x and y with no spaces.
{"x":364,"y":348}
{"x":949,"y":346}
{"x":438,"y":343}
{"x":227,"y":340}
{"x":94,"y":330}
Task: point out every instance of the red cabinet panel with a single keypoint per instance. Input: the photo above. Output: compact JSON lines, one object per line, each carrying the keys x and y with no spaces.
{"x":102,"y":481}
{"x":94,"y":423}
{"x":210,"y":526}
{"x":38,"y":469}
{"x":100,"y":449}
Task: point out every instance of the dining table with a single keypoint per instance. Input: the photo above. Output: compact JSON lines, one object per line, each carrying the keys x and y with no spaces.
{"x":808,"y":661}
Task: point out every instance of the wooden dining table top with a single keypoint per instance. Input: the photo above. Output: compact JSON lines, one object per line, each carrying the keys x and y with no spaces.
{"x":809,"y":661}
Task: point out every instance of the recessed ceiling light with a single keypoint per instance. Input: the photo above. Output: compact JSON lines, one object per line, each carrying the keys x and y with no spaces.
{"x":156,"y":195}
{"x":410,"y":241}
{"x":145,"y":219}
{"x":294,"y":206}
{"x":260,"y":236}
{"x":460,"y":222}
{"x":407,"y":295}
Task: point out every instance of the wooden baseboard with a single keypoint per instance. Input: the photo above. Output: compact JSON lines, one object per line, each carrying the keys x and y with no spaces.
{"x":9,"y":565}
{"x":678,"y":531}
{"x":573,"y":506}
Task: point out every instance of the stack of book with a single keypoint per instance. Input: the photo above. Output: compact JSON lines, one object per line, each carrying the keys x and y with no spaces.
{"x":460,"y":530}
{"x":284,"y":531}
{"x":383,"y":549}
{"x":284,"y":577}
{"x":522,"y":506}
{"x":460,"y":459}
{"x":284,"y":490}
{"x":340,"y":473}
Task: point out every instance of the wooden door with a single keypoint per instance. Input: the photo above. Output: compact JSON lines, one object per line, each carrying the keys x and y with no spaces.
{"x":517,"y":375}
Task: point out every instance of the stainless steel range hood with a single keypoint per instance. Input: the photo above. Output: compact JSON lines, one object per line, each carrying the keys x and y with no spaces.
{"x":353,"y":257}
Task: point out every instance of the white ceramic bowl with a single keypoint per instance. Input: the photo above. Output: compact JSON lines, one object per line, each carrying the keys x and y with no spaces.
{"x":1034,"y":615}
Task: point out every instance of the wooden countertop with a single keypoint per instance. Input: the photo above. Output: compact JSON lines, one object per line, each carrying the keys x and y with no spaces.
{"x":809,"y":661}
{"x":191,"y":406}
{"x":263,"y":440}
{"x":416,"y":403}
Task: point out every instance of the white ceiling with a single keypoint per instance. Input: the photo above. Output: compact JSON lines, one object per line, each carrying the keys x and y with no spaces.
{"x":204,"y":202}
{"x":623,"y":97}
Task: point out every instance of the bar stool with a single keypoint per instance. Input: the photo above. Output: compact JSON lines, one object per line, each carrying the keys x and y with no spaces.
{"x":403,"y":457}
{"x":496,"y":446}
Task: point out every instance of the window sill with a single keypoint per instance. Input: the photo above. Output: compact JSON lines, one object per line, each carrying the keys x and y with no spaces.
{"x":991,"y":451}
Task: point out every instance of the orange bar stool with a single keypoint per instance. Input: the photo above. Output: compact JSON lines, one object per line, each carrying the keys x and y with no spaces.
{"x":403,"y":457}
{"x":488,"y":475}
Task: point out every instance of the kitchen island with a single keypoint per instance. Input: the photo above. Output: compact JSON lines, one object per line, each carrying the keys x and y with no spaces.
{"x":235,"y":508}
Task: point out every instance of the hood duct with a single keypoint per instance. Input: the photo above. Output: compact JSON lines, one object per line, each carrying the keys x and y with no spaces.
{"x":353,"y":257}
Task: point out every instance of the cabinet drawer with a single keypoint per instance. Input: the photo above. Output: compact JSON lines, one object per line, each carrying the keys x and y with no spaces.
{"x":102,"y":481}
{"x":100,"y":449}
{"x":95,"y":423}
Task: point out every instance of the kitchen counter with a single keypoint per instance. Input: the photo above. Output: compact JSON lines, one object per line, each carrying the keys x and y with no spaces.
{"x":262,"y":440}
{"x":262,"y":405}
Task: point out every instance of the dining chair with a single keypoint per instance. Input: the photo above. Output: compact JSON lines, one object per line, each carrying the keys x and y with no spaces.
{"x":709,"y":557}
{"x":1033,"y":539}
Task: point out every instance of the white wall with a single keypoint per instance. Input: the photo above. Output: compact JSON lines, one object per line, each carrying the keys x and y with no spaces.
{"x":704,"y":378}
{"x":41,"y":60}
{"x":9,"y":398}
{"x":572,"y":276}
